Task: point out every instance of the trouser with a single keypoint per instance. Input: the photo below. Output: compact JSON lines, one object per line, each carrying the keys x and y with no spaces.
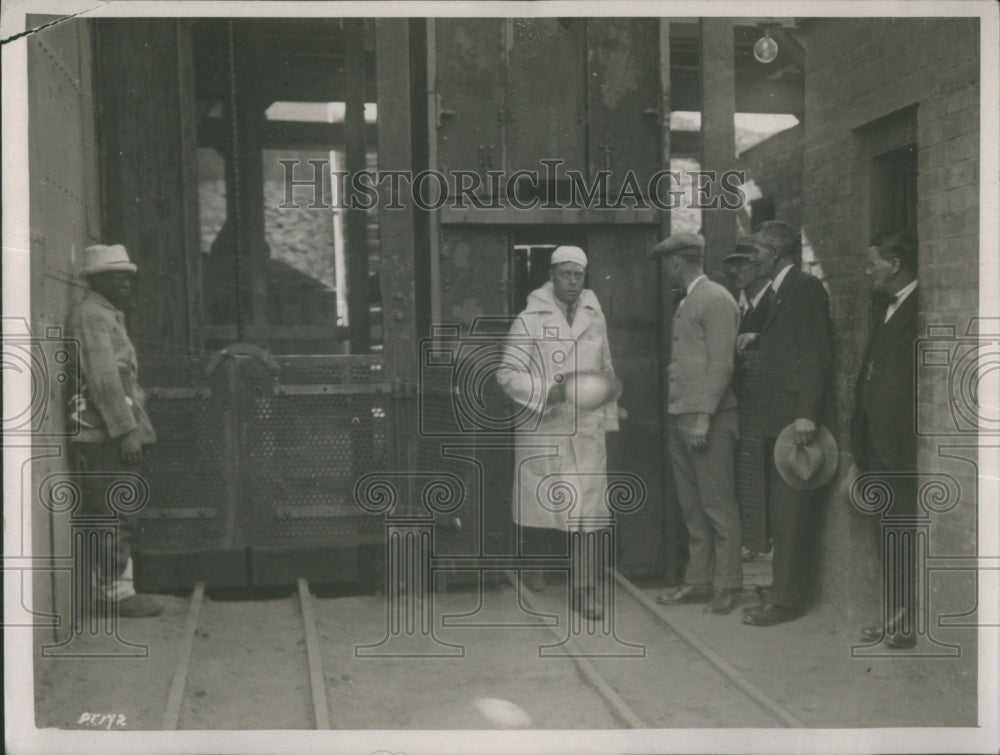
{"x":894,"y":539}
{"x":706,"y":490}
{"x":581,"y":548}
{"x":794,"y":518}
{"x":100,"y":467}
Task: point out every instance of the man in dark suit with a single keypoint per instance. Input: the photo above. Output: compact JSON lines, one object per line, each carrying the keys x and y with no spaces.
{"x":882,"y":436}
{"x":754,"y":292}
{"x":750,"y":286}
{"x":795,"y":349}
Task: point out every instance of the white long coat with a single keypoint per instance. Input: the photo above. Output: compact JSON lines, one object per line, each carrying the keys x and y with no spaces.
{"x":560,"y":469}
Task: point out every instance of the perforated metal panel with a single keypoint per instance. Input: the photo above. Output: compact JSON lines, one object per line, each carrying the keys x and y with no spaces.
{"x":192,"y":504}
{"x":255,"y":452}
{"x":311,"y":430}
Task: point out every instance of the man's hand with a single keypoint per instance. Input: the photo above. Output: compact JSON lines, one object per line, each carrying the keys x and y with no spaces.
{"x":698,"y":434}
{"x":131,"y":447}
{"x":557,"y":393}
{"x":743,"y":341}
{"x":805,"y":429}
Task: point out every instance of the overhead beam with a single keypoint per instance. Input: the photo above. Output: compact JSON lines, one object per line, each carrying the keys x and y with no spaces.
{"x":718,"y":132}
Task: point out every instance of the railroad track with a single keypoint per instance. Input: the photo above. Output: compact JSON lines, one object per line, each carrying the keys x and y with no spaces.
{"x":648,"y":673}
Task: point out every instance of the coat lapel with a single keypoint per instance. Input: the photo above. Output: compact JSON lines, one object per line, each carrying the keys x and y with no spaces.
{"x":890,"y":331}
{"x":778,"y":297}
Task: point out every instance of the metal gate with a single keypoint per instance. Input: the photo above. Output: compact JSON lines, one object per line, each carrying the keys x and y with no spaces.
{"x":252,"y":479}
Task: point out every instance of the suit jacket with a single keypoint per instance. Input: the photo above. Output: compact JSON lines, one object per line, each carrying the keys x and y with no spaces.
{"x":795,"y":347}
{"x":882,"y":434}
{"x":702,"y":350}
{"x":753,"y":319}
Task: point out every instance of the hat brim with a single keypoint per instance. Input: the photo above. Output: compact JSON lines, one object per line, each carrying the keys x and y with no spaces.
{"x":120,"y":267}
{"x":737,"y":257}
{"x":823,"y":441}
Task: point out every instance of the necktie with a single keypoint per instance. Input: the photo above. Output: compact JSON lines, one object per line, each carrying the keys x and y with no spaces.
{"x":570,"y":312}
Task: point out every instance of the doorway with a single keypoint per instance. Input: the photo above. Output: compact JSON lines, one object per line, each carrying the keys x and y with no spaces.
{"x":531,"y":250}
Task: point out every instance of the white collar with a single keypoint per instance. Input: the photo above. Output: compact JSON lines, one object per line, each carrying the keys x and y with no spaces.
{"x":759,"y":296}
{"x":780,"y":277}
{"x":694,"y":283}
{"x":901,"y":295}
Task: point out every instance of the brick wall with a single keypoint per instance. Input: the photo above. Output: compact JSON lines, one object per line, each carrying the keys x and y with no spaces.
{"x":775,"y":166}
{"x":857,"y":72}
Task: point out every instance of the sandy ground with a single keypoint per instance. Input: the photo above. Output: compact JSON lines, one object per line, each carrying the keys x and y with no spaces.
{"x":249,"y":670}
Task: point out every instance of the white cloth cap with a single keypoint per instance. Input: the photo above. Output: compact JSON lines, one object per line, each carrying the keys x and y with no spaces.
{"x":569,"y":254}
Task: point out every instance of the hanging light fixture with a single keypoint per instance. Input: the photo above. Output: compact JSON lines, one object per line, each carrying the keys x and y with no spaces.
{"x":765,"y":50}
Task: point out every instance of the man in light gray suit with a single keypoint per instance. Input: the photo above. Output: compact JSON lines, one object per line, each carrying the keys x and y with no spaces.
{"x":703,"y":427}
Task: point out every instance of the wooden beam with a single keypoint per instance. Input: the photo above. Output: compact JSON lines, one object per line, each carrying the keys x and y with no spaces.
{"x":355,"y":160}
{"x":718,"y":130}
{"x":396,"y":242}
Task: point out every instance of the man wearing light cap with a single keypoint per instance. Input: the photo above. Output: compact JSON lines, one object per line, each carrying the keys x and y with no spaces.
{"x":109,"y":410}
{"x":703,"y":427}
{"x":560,"y":445}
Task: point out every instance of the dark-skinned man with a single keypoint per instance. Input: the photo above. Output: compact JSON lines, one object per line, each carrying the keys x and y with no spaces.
{"x":109,"y":409}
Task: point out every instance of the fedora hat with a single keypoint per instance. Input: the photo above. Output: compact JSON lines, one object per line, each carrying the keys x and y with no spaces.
{"x":806,"y":467}
{"x":742,"y":250}
{"x":106,"y":259}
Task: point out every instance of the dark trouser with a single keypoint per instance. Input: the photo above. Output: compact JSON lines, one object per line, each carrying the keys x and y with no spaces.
{"x":794,"y":518}
{"x":894,"y":538}
{"x":590,"y":565}
{"x":706,"y":490}
{"x":100,"y":466}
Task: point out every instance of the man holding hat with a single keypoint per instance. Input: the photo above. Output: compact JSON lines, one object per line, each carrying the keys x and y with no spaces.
{"x":795,"y":400}
{"x":560,"y":452}
{"x":882,"y":437}
{"x":754,"y":300}
{"x":703,"y":427}
{"x":109,"y":409}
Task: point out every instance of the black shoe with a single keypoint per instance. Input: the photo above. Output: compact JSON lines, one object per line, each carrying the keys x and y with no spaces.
{"x":685,"y":594}
{"x":763,"y":595}
{"x":768,"y":615}
{"x":585,"y":603}
{"x":723,"y":600}
{"x":139,"y":606}
{"x":895,"y":640}
{"x":534,"y":579}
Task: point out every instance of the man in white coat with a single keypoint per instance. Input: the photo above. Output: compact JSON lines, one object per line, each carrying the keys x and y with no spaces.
{"x":560,"y":469}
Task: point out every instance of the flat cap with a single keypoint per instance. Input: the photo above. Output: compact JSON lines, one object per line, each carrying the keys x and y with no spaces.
{"x":683,"y":243}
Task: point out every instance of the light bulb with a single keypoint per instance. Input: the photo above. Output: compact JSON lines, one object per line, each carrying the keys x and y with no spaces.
{"x":766,"y":49}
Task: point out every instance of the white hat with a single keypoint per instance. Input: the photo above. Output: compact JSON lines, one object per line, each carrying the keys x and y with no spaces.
{"x":106,"y":259}
{"x":568,"y":254}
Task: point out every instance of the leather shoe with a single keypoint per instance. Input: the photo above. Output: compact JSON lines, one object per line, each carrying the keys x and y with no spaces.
{"x":534,"y":580}
{"x":685,"y":594}
{"x":139,"y":606}
{"x":896,"y":640}
{"x":585,"y":604}
{"x":763,"y":595}
{"x":723,"y":600}
{"x":768,"y":615}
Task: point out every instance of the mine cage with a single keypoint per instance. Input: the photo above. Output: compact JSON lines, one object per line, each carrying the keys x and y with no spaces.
{"x":280,"y":337}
